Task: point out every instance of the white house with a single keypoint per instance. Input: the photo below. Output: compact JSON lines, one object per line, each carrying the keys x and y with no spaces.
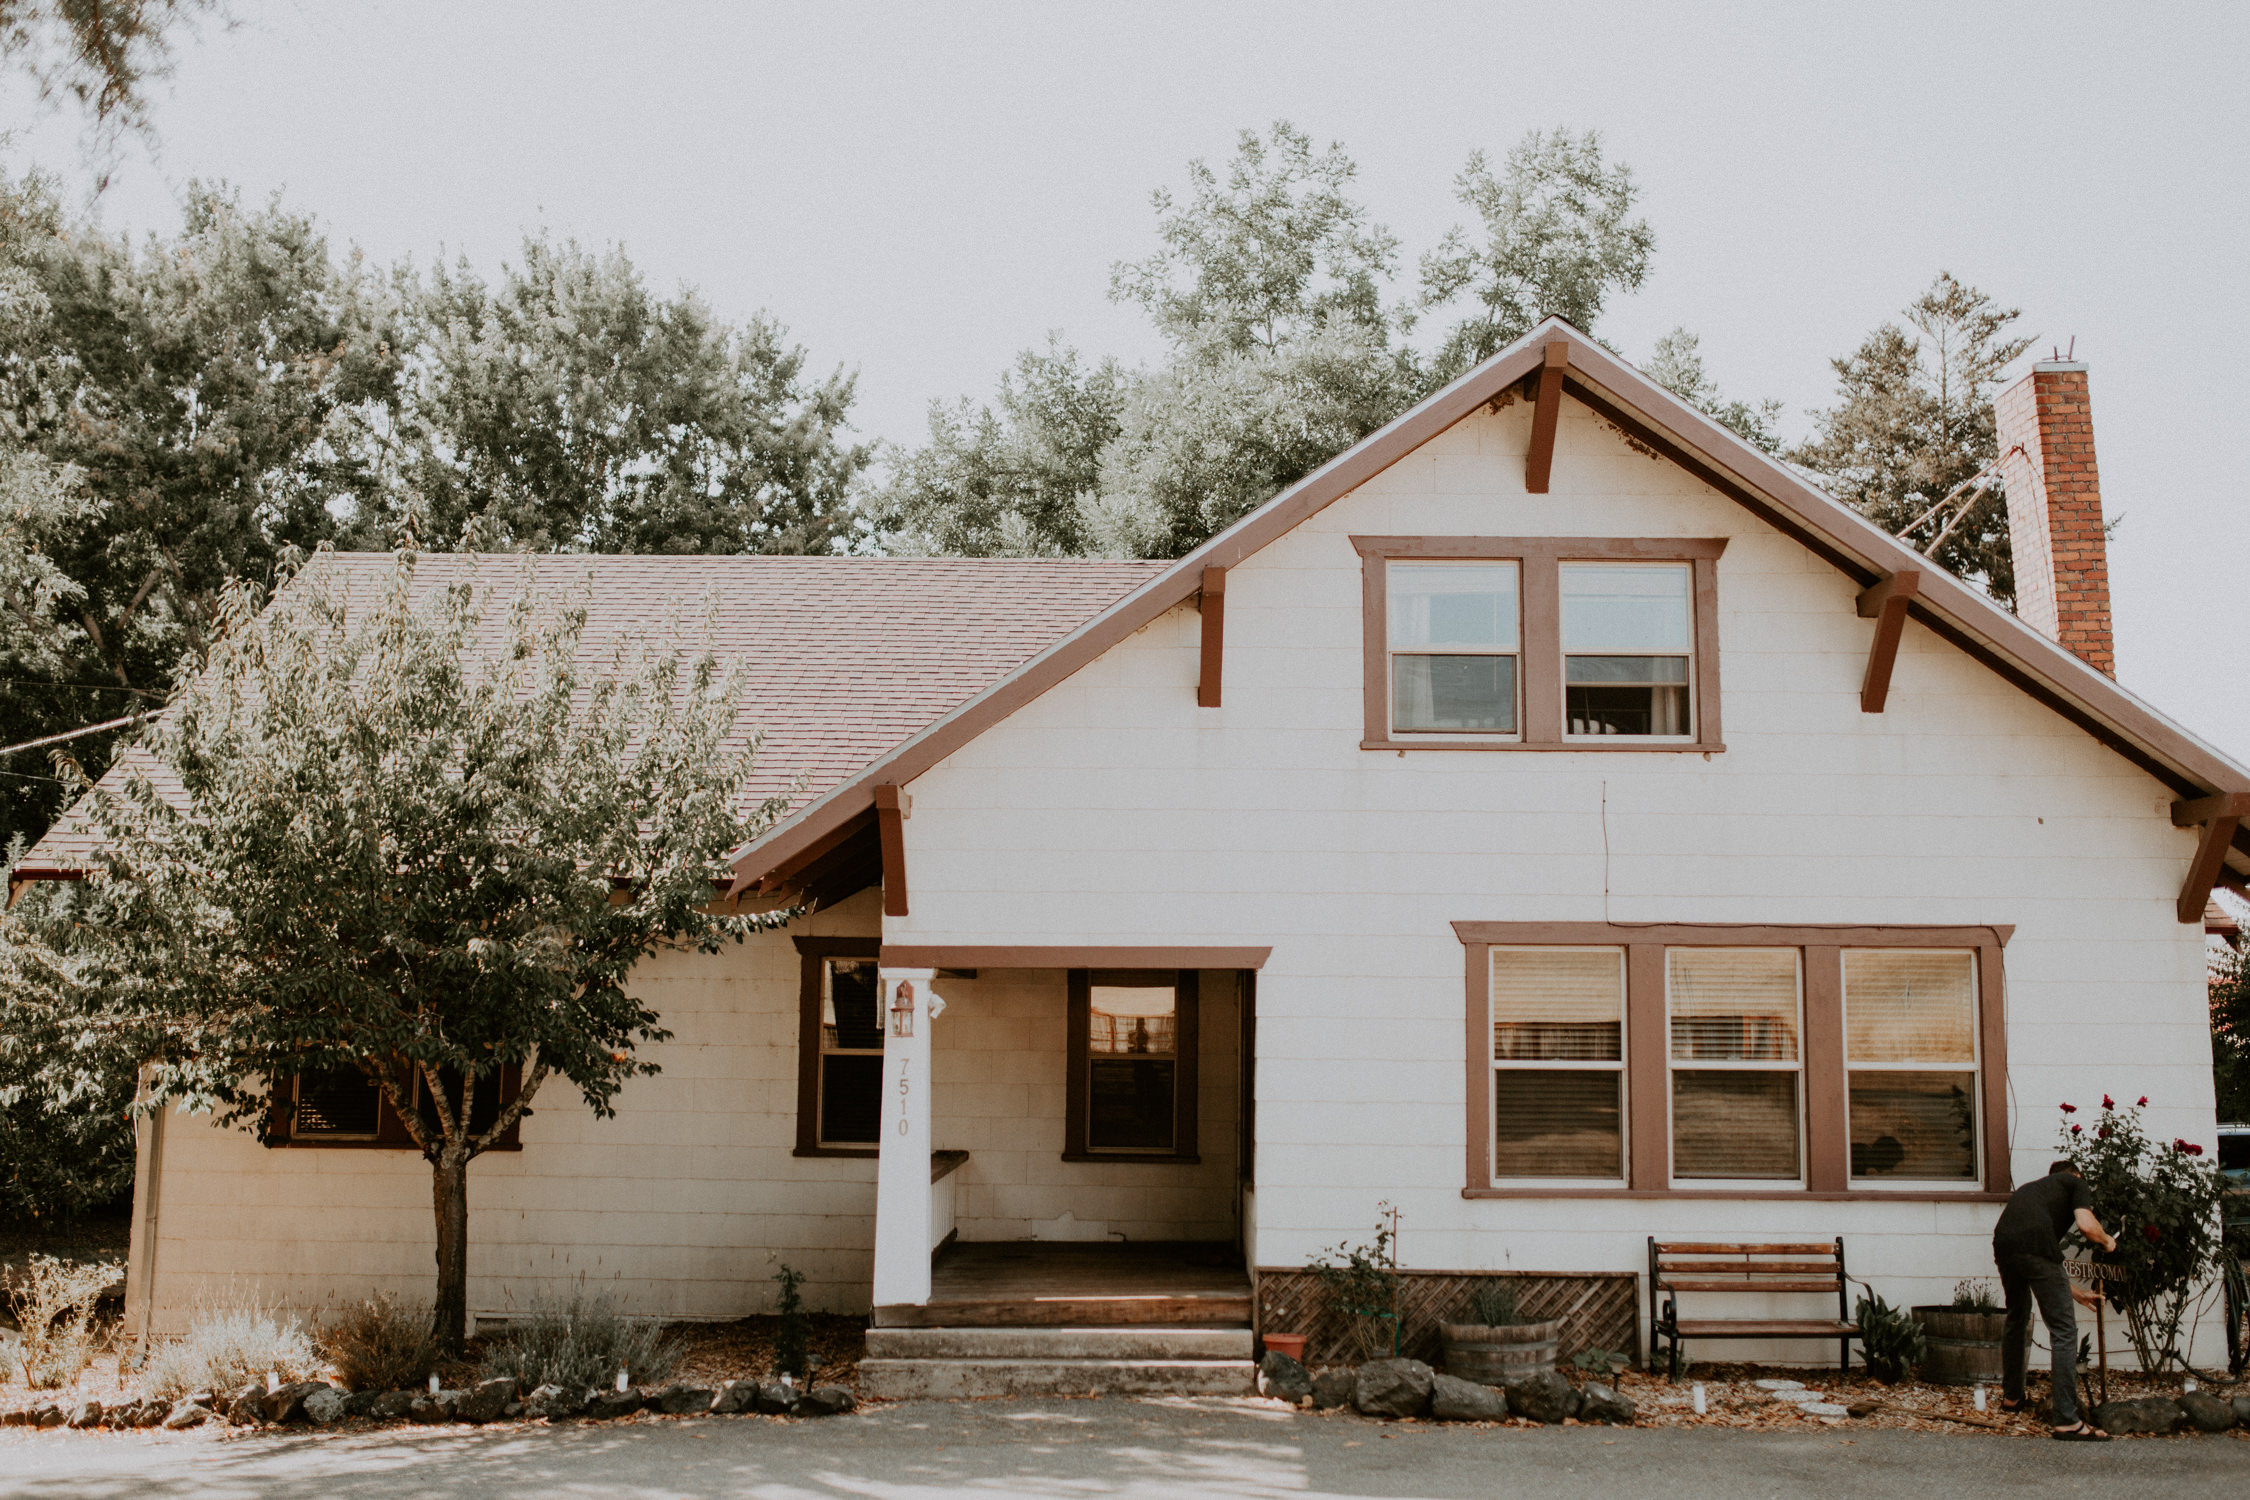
{"x":1551,"y":819}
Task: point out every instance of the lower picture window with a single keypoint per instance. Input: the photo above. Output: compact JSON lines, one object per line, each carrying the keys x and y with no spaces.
{"x":1910,"y":1028}
{"x":1558,"y":1062}
{"x":1734,"y":1044}
{"x":851,"y":1053}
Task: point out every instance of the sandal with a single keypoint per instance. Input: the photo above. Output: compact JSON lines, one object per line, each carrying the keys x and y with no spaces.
{"x":2011,"y":1407}
{"x":2080,"y":1434}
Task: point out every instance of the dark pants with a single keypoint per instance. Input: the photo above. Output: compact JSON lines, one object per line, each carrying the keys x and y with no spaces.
{"x":2024,"y":1278}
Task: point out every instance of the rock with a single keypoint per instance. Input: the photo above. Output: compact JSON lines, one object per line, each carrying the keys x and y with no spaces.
{"x":1863,"y":1408}
{"x":1283,"y":1378}
{"x":1545,"y":1397}
{"x":1331,"y":1389}
{"x":609,"y":1405}
{"x":428,"y":1410}
{"x":85,"y":1414}
{"x":362,"y":1403}
{"x":247,"y":1407}
{"x":49,"y":1415}
{"x":2142,"y":1414}
{"x":1818,"y":1409}
{"x":736,"y":1398}
{"x":1392,"y":1388}
{"x":2208,"y":1413}
{"x":288,"y":1403}
{"x":392,"y":1405}
{"x":554,"y":1403}
{"x":120,"y":1417}
{"x":683,"y":1400}
{"x":2242,"y":1411}
{"x":1601,"y":1403}
{"x":484,"y":1401}
{"x":325,"y":1405}
{"x":188,"y":1413}
{"x":777,"y":1400}
{"x":827,"y":1401}
{"x":1454,"y":1400}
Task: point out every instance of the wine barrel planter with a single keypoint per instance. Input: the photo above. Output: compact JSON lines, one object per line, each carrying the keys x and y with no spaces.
{"x":1494,"y":1354}
{"x":1963,"y":1345}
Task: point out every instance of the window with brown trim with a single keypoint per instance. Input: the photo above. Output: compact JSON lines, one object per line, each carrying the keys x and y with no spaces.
{"x":1541,"y":643}
{"x":839,"y":1046}
{"x":341,"y":1107}
{"x":1730,"y":1061}
{"x":1131,"y":1052}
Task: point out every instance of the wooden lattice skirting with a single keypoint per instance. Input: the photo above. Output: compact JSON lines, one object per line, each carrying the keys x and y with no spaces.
{"x":1598,"y":1311}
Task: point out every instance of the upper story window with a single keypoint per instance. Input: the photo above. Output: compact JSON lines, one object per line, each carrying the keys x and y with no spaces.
{"x":1523,"y":643}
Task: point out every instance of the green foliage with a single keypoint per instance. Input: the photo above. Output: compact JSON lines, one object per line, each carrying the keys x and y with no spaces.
{"x":790,"y":1330}
{"x":1677,"y":364}
{"x":101,"y":54}
{"x":1493,"y":1304}
{"x":227,"y":1346}
{"x":1975,"y":1295}
{"x":1362,"y":1283}
{"x":1602,"y":1364}
{"x":54,"y":1301}
{"x":1890,"y":1340}
{"x":1914,"y":421}
{"x":2162,"y":1202}
{"x":2230,"y":1031}
{"x":381,"y":1344}
{"x":580,"y":1345}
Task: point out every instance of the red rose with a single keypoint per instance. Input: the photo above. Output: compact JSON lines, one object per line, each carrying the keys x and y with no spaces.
{"x":2144,"y":1100}
{"x":2108,"y":1103}
{"x":2076,"y":1128}
{"x":2150,"y":1231}
{"x":2070,"y":1109}
{"x":2103,"y":1132}
{"x":2193,"y":1149}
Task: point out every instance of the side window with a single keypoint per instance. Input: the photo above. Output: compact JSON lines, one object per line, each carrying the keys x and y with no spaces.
{"x":1130,"y":1089}
{"x":851,"y":1052}
{"x":1454,"y":634}
{"x":1910,"y":1049}
{"x":339,"y":1104}
{"x":1558,"y":1062}
{"x":1734,"y":1016}
{"x":1628,"y":641}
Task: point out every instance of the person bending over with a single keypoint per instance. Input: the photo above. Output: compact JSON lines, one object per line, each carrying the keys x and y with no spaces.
{"x":2027,"y":1247}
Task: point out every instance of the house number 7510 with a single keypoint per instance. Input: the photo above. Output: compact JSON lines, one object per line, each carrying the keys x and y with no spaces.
{"x":905,"y":1066}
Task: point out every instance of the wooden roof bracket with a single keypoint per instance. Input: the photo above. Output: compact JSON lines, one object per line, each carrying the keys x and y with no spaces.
{"x":1885,"y":602}
{"x":890,"y":828}
{"x":1213,"y":603}
{"x":1539,"y":463}
{"x":2218,"y":816}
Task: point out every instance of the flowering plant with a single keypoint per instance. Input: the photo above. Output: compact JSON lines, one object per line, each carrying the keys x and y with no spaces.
{"x":2162,"y":1202}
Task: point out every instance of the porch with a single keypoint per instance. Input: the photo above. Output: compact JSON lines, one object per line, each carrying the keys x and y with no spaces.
{"x":1032,"y":1284}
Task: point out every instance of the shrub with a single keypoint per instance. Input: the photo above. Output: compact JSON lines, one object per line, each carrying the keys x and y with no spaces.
{"x":789,"y":1331}
{"x":1974,"y":1295}
{"x":225,"y":1348}
{"x":383,"y":1344}
{"x":54,"y":1302}
{"x":1362,"y":1283}
{"x":1493,"y":1304}
{"x":1891,"y":1342}
{"x":580,"y":1345}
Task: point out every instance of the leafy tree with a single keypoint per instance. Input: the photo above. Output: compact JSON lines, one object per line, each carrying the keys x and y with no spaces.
{"x":569,"y":408}
{"x":424,"y":838}
{"x":1557,"y":238}
{"x":1914,"y":422}
{"x":1011,"y":481}
{"x":101,"y":53}
{"x":187,"y":408}
{"x":2230,"y":1031}
{"x":1677,"y":365}
{"x":66,"y":1087}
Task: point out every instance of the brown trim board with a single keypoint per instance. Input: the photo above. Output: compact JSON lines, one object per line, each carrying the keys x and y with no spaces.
{"x":1539,"y":458}
{"x":1069,"y":956}
{"x":1886,"y":604}
{"x":1212,"y":664}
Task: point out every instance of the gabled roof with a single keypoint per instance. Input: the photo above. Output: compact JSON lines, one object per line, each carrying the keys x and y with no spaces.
{"x":1654,"y":416}
{"x":847,"y":656}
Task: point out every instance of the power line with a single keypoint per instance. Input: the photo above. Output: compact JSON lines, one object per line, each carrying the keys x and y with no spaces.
{"x":56,"y":739}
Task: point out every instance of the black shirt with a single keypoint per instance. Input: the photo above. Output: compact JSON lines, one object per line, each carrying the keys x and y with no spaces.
{"x":2039,"y":1214}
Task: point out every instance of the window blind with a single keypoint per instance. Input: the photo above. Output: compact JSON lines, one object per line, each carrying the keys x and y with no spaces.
{"x":1734,"y":1004}
{"x":1902,"y":1006}
{"x":1558,"y":1004}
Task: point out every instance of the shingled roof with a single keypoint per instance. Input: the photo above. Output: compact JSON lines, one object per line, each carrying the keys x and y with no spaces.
{"x":847,"y":656}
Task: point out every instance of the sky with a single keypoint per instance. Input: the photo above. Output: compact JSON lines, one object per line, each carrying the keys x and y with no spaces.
{"x":919,"y":191}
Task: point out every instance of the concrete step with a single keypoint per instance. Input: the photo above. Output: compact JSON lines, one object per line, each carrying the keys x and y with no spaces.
{"x":1149,"y":1342}
{"x":1062,"y":1310}
{"x":958,"y":1379}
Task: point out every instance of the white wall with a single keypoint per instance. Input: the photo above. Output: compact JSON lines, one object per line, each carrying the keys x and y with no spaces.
{"x":1114,"y":811}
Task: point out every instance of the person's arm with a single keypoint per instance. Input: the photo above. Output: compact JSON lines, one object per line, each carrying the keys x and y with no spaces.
{"x":2091,"y":1227}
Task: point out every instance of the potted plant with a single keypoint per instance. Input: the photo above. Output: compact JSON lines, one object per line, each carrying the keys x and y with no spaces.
{"x":1963,"y":1339}
{"x":1492,"y":1344}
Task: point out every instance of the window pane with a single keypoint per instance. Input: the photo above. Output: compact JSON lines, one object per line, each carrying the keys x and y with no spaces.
{"x":1918,"y":1125}
{"x":1734,"y":1124}
{"x":851,"y":1014}
{"x":1627,"y":710}
{"x":1619,"y":669}
{"x":1454,"y":692}
{"x":1902,"y":1006}
{"x":1138,"y":1020}
{"x":1129,"y":1103}
{"x":339,"y":1101}
{"x":1734,"y":1004}
{"x":1626,"y":607}
{"x":1556,"y":1124}
{"x":1554,"y":1005}
{"x":851,"y":1099}
{"x":1471,"y":605}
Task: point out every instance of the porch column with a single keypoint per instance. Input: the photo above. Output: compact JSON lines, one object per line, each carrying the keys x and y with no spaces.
{"x":902,"y":1178}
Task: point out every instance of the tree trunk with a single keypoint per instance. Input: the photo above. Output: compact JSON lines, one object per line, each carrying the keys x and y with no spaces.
{"x":450,"y":1192}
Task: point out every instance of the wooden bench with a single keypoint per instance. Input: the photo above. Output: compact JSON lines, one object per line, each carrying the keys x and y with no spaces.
{"x":1702,"y":1267}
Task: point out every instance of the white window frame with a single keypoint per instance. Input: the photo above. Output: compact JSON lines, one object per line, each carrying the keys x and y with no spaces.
{"x":1564,"y":654}
{"x":1975,"y":1072}
{"x":1618,"y":1069}
{"x":1673,"y":1066}
{"x":1392,"y":651}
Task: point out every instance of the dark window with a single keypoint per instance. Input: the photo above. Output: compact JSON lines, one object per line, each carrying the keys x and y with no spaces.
{"x":339,"y":1104}
{"x":1132,"y":1065}
{"x":484,"y":1105}
{"x":851,"y":1052}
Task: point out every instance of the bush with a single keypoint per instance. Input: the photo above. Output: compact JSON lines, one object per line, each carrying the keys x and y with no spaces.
{"x":789,"y":1330}
{"x":1493,"y":1304}
{"x":580,"y":1345}
{"x":54,"y":1302}
{"x":225,"y":1348}
{"x":1362,"y":1283}
{"x":1974,"y":1295}
{"x":383,"y":1344}
{"x":1891,"y":1342}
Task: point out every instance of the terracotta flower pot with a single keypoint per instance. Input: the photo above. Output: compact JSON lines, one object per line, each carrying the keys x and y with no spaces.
{"x":1291,"y":1344}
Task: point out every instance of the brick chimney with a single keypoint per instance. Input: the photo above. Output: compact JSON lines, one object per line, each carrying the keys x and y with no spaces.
{"x":2046,"y":430}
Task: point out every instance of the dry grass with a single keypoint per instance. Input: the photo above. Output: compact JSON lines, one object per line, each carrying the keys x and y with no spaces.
{"x":382,"y":1344}
{"x":54,"y":1302}
{"x":225,"y":1348}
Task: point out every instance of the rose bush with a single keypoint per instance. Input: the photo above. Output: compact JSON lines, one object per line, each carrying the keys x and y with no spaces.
{"x":2163,"y":1204}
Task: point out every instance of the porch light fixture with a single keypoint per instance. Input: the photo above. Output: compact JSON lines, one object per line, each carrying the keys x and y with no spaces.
{"x":902,"y":1009}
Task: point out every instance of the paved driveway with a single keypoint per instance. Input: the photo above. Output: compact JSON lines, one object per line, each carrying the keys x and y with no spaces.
{"x":1138,"y":1450}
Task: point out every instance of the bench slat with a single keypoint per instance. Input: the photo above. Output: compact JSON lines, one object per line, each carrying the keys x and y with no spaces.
{"x":1755,"y":1267}
{"x":1754,"y":1284}
{"x":1751,"y":1328}
{"x":1698,"y":1247}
